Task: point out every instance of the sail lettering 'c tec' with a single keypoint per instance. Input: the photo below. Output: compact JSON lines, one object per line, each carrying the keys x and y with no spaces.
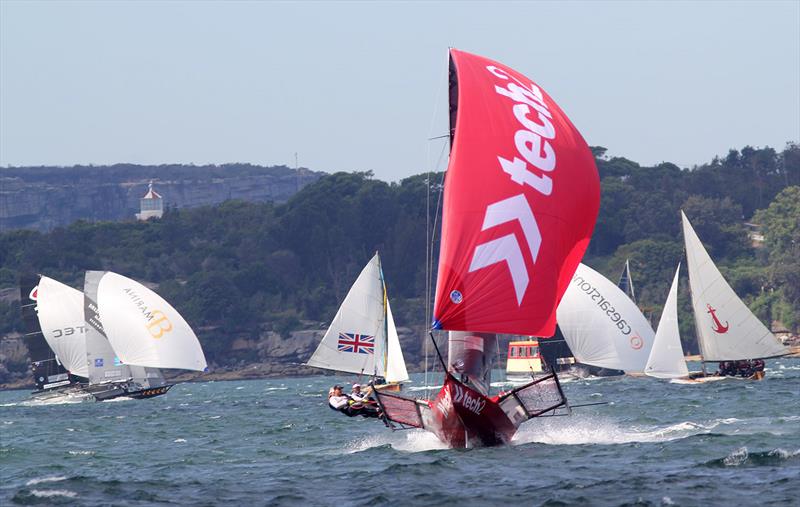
{"x":512,"y":236}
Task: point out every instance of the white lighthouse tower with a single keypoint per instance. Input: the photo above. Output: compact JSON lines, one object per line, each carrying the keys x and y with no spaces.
{"x":151,"y":205}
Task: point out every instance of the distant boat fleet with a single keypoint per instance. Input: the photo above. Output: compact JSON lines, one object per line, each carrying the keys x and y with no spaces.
{"x":109,"y":341}
{"x":521,"y":199}
{"x":515,"y":226}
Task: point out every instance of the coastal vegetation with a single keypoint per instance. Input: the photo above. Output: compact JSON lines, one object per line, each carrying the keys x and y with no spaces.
{"x":240,"y":269}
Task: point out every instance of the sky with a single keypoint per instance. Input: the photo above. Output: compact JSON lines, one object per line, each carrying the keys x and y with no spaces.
{"x":356,"y":86}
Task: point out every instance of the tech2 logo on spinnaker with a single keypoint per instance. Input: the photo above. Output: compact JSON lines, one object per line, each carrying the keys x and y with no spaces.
{"x":505,"y":226}
{"x":530,"y":141}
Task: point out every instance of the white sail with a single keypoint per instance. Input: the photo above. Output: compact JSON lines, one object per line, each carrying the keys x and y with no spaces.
{"x":395,"y":363}
{"x":602,"y":326}
{"x":60,"y":312}
{"x":102,"y":360}
{"x":362,"y":337}
{"x":666,"y":357}
{"x":727,"y":330}
{"x":143,"y":328}
{"x":357,"y":332}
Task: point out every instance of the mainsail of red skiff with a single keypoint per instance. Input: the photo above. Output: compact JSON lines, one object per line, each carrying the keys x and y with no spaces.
{"x":520,"y":203}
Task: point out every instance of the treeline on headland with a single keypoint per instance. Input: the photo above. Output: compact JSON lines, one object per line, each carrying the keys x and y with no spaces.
{"x":241,"y":270}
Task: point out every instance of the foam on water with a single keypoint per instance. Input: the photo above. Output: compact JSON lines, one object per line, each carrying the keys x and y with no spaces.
{"x":119,"y":399}
{"x":51,"y":493}
{"x":406,"y":441}
{"x":51,"y":478}
{"x":56,"y":400}
{"x":583,"y":430}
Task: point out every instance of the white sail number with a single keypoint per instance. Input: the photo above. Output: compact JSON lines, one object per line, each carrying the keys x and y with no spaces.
{"x":532,"y":145}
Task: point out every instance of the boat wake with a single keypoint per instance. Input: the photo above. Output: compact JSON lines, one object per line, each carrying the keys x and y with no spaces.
{"x":119,"y":399}
{"x":577,"y":430}
{"x":405,"y":441}
{"x":64,"y":399}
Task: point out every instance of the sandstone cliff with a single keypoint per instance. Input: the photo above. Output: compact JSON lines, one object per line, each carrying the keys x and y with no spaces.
{"x":43,"y":198}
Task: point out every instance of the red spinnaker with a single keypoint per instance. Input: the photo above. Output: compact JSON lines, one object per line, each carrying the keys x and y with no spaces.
{"x":521,"y":199}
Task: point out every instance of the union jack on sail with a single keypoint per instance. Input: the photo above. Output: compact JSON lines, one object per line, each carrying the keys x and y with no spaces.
{"x":357,"y":343}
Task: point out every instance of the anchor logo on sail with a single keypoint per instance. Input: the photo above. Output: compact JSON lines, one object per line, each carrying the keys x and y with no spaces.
{"x":718,"y":327}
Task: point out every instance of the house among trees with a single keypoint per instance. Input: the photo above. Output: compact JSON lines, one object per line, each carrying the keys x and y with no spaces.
{"x":151,"y":205}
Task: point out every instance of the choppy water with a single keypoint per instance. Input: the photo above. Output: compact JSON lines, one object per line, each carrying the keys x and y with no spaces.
{"x":275,"y":442}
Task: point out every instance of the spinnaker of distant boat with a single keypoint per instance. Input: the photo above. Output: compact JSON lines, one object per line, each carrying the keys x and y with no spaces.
{"x":60,"y":312}
{"x":602,"y":325}
{"x":50,"y":375}
{"x":143,"y":328}
{"x":521,"y":197}
{"x":362,"y":337}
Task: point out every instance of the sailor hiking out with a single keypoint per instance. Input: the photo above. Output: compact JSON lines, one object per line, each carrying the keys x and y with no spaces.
{"x":357,"y":403}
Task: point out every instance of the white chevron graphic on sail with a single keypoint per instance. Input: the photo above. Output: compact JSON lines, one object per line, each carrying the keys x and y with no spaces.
{"x":507,"y":248}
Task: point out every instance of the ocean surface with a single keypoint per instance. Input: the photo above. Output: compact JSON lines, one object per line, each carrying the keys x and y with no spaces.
{"x":275,"y":442}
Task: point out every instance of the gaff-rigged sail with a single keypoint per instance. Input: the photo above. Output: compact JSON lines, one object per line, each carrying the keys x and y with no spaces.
{"x":60,"y":312}
{"x":143,"y":328}
{"x":520,"y":202}
{"x":362,"y":337}
{"x":666,"y":357}
{"x":602,"y":326}
{"x":726,"y":328}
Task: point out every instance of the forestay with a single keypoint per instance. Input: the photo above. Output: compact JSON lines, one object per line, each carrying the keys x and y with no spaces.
{"x":143,"y":328}
{"x":601,"y":324}
{"x":60,"y":312}
{"x":666,"y":357}
{"x":520,"y":202}
{"x":726,"y":328}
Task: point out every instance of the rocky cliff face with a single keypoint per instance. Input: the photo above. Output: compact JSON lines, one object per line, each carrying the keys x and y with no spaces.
{"x":43,"y":198}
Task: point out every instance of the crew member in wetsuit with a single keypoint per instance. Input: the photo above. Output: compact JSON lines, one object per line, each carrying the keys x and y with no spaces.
{"x":758,"y":365}
{"x":337,"y":400}
{"x":343,"y":403}
{"x":357,"y":395}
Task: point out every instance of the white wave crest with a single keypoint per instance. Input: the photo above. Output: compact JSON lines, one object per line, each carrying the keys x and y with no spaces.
{"x":50,"y":493}
{"x":51,"y":478}
{"x":736,"y":458}
{"x":406,"y":441}
{"x":118,"y":399}
{"x":783,"y":453}
{"x":81,"y":453}
{"x":577,"y":430}
{"x":57,"y":400}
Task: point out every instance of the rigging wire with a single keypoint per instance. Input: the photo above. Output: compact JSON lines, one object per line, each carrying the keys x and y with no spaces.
{"x":429,"y":234}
